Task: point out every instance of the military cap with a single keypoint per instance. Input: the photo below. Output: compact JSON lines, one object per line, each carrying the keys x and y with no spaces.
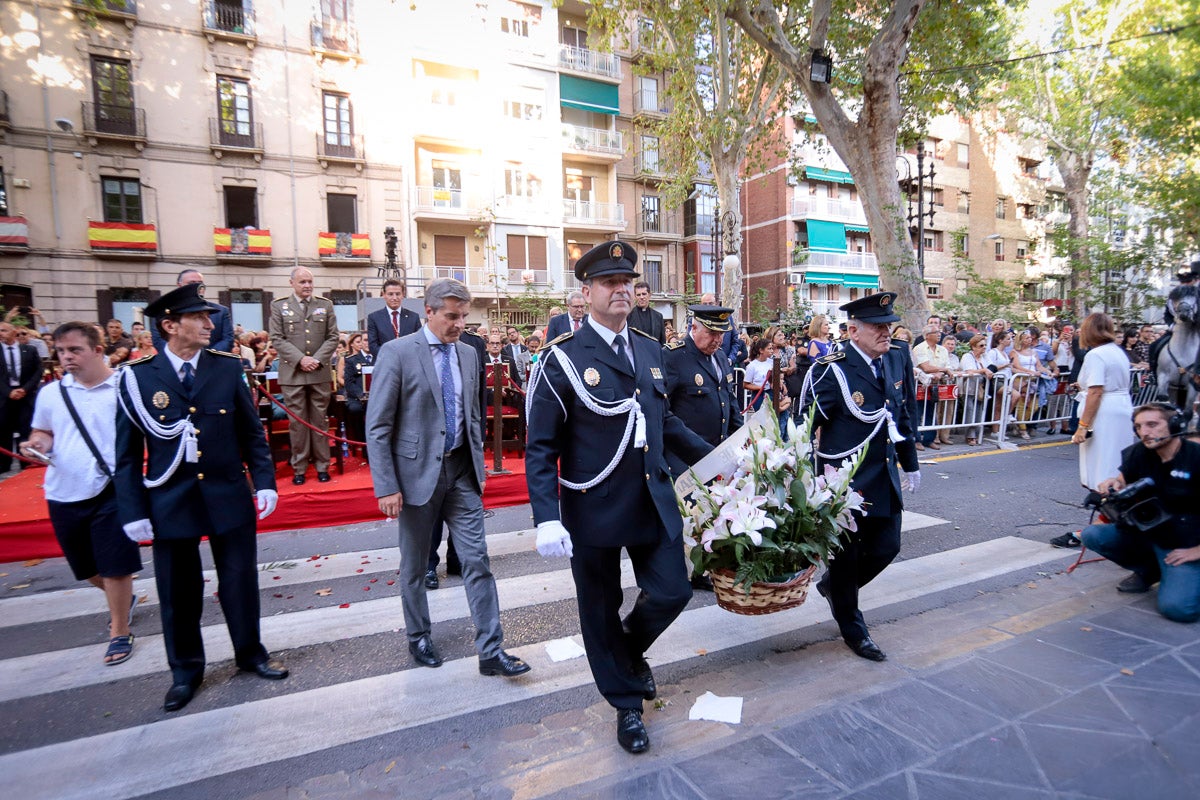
{"x":715,"y":318}
{"x":1185,"y":276}
{"x":873,"y":308}
{"x":183,"y":300}
{"x":608,"y":258}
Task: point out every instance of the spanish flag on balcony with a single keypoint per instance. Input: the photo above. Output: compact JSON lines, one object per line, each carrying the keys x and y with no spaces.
{"x":344,"y":245}
{"x":242,"y":241}
{"x":14,"y":232}
{"x":122,"y":236}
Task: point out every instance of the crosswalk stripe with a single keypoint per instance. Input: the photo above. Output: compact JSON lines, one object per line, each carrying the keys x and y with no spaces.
{"x":201,"y":745}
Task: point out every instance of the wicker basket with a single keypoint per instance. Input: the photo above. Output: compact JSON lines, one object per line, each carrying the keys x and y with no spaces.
{"x":764,"y":598}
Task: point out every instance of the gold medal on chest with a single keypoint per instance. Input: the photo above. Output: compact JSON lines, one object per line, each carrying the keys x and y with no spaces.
{"x":591,"y":377}
{"x":699,"y":379}
{"x":161,"y":400}
{"x":858,"y":398}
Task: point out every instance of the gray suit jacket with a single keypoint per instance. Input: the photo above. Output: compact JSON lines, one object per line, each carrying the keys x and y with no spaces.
{"x":406,"y":423}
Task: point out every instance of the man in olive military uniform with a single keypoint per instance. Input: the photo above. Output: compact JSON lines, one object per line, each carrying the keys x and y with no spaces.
{"x":187,"y":433}
{"x":858,"y":396}
{"x":598,"y":415}
{"x":700,"y":382}
{"x":304,"y":332}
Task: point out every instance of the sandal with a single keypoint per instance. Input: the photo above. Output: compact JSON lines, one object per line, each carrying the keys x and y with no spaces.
{"x":1025,"y":435}
{"x":120,"y":648}
{"x":971,"y":442}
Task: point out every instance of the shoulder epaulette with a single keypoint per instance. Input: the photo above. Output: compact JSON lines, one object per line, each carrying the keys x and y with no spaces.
{"x":898,"y":344}
{"x":832,"y":357}
{"x":469,"y":332}
{"x":222,"y":353}
{"x":643,"y":333}
{"x":560,"y":338}
{"x":141,"y":360}
{"x":673,"y":345}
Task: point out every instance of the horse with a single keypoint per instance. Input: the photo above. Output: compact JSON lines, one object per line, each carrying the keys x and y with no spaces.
{"x":1179,"y":358}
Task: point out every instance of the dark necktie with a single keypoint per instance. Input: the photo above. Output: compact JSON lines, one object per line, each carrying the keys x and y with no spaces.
{"x":14,"y":370}
{"x":877,"y":365}
{"x":622,"y":353}
{"x":396,"y":323}
{"x":449,"y":405}
{"x":574,"y":324}
{"x":189,"y":377}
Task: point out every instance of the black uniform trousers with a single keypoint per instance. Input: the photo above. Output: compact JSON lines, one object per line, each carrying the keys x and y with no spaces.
{"x":867,"y":553}
{"x":180,"y":580}
{"x":613,"y":644}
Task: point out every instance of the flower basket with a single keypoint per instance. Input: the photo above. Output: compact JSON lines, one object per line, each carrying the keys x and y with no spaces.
{"x":763,"y":598}
{"x":761,"y":530}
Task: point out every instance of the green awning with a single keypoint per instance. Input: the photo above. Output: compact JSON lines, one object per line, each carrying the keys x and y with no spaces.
{"x":819,"y":276}
{"x":832,"y":175}
{"x":858,"y":228}
{"x":828,"y":237}
{"x":588,"y":95}
{"x":862,"y":281}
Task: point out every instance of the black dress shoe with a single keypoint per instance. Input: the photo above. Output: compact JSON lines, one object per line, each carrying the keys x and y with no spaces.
{"x":323,"y":477}
{"x":641,"y":671}
{"x":431,"y":580}
{"x":424,"y":653}
{"x":503,"y":664}
{"x":272,"y":671}
{"x":865,"y":648}
{"x":179,"y":695}
{"x":298,"y":480}
{"x":702,"y":583}
{"x":631,"y":732}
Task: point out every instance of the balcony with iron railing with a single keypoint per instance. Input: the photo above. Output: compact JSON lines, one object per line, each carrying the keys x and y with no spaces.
{"x":229,"y":19}
{"x":829,"y":208}
{"x":589,"y":62}
{"x":651,"y":104}
{"x":335,"y":37}
{"x":439,"y":202}
{"x":230,"y":136}
{"x":593,"y":143}
{"x":648,"y":165}
{"x":114,"y":121}
{"x":642,"y":41}
{"x":818,"y":259}
{"x":588,"y":214}
{"x":345,"y":150}
{"x":113,"y":9}
{"x":476,"y":278}
{"x":656,"y":225}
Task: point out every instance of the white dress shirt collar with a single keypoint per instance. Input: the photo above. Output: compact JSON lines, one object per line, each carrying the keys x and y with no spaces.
{"x":177,"y":362}
{"x":609,"y":335}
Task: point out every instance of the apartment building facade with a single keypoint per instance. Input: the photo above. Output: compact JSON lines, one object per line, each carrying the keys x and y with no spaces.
{"x":246,"y":138}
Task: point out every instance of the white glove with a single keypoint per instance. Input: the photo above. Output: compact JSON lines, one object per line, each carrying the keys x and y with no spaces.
{"x":553,"y":539}
{"x":267,"y":500}
{"x":139,"y":531}
{"x":914,"y":481}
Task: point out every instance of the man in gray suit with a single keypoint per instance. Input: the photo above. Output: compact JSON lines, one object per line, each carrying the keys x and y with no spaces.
{"x":424,"y":438}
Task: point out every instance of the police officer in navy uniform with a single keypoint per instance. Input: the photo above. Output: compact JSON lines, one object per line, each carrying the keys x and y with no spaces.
{"x":868,"y":374}
{"x":700,"y":380}
{"x":189,"y":410}
{"x":599,"y":416}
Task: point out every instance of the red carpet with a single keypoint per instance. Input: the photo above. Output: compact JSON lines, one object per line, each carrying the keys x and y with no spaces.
{"x":25,"y":530}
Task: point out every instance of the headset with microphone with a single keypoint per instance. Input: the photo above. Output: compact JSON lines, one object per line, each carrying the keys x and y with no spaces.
{"x":1177,"y":421}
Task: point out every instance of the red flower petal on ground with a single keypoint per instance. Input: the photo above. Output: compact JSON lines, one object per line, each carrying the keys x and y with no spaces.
{"x":344,"y":605}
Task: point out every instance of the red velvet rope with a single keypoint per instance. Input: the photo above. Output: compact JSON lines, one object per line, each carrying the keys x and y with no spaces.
{"x":20,"y":457}
{"x":305,"y":423}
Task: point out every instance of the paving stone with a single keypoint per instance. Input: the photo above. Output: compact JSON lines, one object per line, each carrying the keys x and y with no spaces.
{"x":927,"y":716}
{"x":1000,"y":756}
{"x":894,"y":788}
{"x":1166,"y":674}
{"x":760,"y":765}
{"x":943,"y":787}
{"x":664,"y":784}
{"x":1092,"y":709}
{"x":1051,"y":664}
{"x":995,"y":688}
{"x":1154,"y":626}
{"x":1181,"y":746}
{"x":1116,"y":648}
{"x":851,"y":747}
{"x":1153,"y":711}
{"x":1104,"y":764}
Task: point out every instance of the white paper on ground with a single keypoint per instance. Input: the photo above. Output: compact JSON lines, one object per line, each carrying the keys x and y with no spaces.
{"x":564,"y":649}
{"x":718,"y":709}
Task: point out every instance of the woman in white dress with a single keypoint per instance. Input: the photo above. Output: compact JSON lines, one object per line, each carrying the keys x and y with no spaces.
{"x":997,"y":362}
{"x":1106,"y":408}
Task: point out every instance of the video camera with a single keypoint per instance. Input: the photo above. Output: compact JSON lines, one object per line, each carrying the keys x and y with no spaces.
{"x":1135,"y":506}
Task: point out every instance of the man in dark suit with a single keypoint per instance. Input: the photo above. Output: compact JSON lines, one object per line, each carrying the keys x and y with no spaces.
{"x":617,"y":490}
{"x":20,"y":376}
{"x":643,"y":317}
{"x":517,"y":353}
{"x":570,"y":321}
{"x":187,"y":434}
{"x":424,"y":440}
{"x":222,"y":320}
{"x":859,"y":400}
{"x":498,"y":356}
{"x":392,"y":321}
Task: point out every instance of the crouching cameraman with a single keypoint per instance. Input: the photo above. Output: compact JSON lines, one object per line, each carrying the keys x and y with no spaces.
{"x":1162,"y":542}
